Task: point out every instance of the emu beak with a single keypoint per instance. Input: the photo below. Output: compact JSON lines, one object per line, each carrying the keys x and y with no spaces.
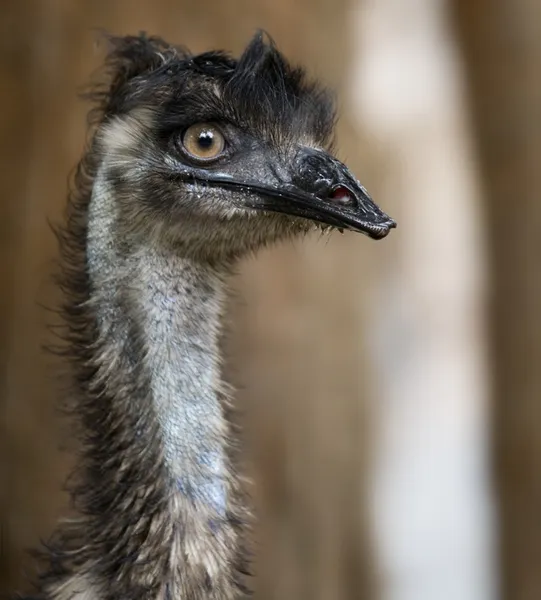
{"x":324,"y":190}
{"x":316,"y":186}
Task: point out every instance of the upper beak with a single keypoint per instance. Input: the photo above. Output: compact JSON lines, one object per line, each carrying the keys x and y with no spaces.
{"x":317,"y":187}
{"x":324,"y":190}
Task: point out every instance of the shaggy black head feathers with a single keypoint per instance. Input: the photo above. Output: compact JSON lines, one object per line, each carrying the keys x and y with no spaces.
{"x":260,"y":92}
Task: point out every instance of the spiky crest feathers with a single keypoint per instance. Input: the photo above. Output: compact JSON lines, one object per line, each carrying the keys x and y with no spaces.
{"x":260,"y":91}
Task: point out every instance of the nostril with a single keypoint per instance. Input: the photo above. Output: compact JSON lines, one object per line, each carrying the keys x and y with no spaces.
{"x":343,"y":196}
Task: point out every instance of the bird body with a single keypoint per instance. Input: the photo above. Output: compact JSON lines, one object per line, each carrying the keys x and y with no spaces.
{"x":193,"y":162}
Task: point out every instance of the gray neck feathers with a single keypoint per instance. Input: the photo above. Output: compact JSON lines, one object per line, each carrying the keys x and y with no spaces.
{"x":165,"y":522}
{"x":159,"y":314}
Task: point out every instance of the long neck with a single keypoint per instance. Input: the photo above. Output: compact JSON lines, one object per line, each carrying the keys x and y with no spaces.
{"x":159,"y":494}
{"x":159,"y":314}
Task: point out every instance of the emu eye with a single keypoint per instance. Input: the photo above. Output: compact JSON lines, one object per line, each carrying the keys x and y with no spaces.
{"x":203,"y":141}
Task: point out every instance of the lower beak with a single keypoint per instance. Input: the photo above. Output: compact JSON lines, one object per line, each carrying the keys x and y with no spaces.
{"x":343,"y":208}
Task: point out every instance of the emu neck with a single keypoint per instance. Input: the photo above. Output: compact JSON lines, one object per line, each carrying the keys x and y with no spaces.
{"x":157,"y":494}
{"x":166,"y":309}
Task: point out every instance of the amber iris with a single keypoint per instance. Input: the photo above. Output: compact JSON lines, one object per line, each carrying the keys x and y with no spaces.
{"x":203,"y":141}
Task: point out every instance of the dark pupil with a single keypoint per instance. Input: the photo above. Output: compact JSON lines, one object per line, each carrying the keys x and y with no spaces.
{"x":205,"y":140}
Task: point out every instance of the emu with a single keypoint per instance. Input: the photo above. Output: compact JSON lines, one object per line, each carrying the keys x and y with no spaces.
{"x":193,"y":162}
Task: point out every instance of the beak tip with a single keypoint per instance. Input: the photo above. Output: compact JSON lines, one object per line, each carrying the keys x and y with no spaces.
{"x":382,"y":230}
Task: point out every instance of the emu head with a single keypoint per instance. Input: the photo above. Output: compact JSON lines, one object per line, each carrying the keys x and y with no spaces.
{"x":220,"y":156}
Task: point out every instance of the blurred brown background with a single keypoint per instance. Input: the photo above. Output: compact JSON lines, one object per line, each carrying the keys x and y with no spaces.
{"x":392,"y":391}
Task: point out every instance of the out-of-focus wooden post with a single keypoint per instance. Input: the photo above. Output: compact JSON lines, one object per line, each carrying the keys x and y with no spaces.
{"x":501,"y":43}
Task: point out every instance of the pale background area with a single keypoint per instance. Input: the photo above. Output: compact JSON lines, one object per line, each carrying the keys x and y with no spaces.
{"x":391,"y":391}
{"x":432,"y":505}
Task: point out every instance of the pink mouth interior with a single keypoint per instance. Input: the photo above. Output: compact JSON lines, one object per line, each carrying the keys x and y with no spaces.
{"x":341,"y":195}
